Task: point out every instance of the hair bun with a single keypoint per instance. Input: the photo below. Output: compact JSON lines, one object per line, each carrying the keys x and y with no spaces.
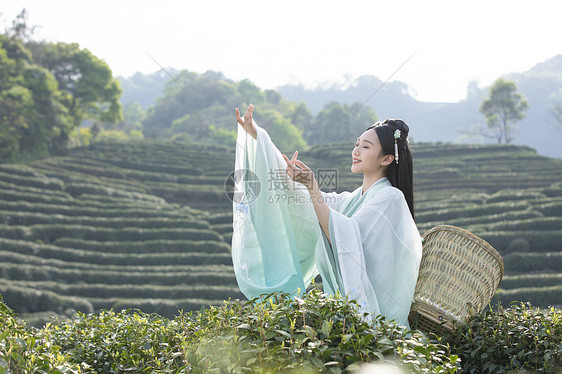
{"x":400,"y":125}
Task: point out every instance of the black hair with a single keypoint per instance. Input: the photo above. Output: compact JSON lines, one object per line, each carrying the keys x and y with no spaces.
{"x":401,"y":174}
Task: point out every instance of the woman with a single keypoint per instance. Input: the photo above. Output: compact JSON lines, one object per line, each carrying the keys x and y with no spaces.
{"x":364,"y":243}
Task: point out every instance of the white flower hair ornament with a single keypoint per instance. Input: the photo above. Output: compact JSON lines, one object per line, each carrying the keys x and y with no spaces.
{"x":397,"y":135}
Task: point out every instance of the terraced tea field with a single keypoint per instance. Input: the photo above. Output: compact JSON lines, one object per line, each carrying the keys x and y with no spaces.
{"x":148,"y":225}
{"x":87,"y":235}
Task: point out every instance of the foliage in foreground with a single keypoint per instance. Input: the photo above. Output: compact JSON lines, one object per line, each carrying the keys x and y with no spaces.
{"x":518,"y":339}
{"x":315,"y":333}
{"x":278,"y":334}
{"x":25,"y":350}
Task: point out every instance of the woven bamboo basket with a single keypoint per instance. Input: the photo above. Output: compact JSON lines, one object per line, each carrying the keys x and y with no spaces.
{"x":459,"y":272}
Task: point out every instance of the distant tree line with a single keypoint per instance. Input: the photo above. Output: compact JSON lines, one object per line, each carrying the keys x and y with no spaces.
{"x":200,"y":107}
{"x":47,"y":90}
{"x":56,"y":95}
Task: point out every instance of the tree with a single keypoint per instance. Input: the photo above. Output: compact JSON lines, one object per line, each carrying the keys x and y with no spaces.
{"x":133,"y":113}
{"x":250,"y":92}
{"x":222,"y":136}
{"x":301,"y":116}
{"x":92,"y":92}
{"x":20,"y":30}
{"x":339,"y":122}
{"x":190,"y":104}
{"x":285,"y":134}
{"x":556,"y":113}
{"x":145,"y":88}
{"x":33,"y":119}
{"x":503,"y":108}
{"x":46,"y":90}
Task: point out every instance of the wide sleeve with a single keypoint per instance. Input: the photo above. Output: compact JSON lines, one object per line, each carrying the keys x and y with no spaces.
{"x":378,"y":250}
{"x":275,"y":228}
{"x":335,"y":200}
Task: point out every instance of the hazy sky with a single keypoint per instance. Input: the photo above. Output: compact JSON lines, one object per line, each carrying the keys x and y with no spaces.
{"x":308,"y":42}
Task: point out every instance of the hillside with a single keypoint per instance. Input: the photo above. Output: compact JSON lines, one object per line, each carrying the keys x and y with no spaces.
{"x":83,"y":233}
{"x":148,"y":224}
{"x":450,"y":122}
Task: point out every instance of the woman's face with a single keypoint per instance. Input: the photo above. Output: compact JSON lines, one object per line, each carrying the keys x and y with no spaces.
{"x":367,"y":154}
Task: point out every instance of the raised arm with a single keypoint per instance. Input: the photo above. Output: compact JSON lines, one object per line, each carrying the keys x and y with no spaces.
{"x":301,"y":173}
{"x":246,"y":122}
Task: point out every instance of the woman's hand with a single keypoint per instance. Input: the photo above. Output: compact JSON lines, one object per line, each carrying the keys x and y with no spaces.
{"x":246,"y":122}
{"x":299,"y":172}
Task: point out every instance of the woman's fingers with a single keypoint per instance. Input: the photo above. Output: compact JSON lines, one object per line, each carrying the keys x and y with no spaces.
{"x":238,"y":118}
{"x":294,"y":163}
{"x":294,"y":158}
{"x":298,"y":171}
{"x":247,"y":120}
{"x":290,"y":166}
{"x":289,"y":162}
{"x":302,"y":165}
{"x":248,"y":115}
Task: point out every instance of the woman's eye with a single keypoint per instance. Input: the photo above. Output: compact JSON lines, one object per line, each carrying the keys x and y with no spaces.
{"x":365,"y":146}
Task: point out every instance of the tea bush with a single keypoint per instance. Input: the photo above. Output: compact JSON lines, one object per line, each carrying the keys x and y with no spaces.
{"x":280,"y":333}
{"x":509,"y":194}
{"x":31,"y":218}
{"x":518,"y":339}
{"x":197,"y":274}
{"x":24,"y":350}
{"x":315,"y":333}
{"x":9,"y":193}
{"x":551,"y":209}
{"x":145,"y":246}
{"x":533,"y":262}
{"x":143,"y":291}
{"x":538,"y":296}
{"x":541,"y":241}
{"x":79,"y":210}
{"x":189,"y":259}
{"x":481,"y":221}
{"x":448,"y":214}
{"x":531,"y":280}
{"x":49,"y":233}
{"x":37,"y":180}
{"x":121,"y":342}
{"x":31,"y":300}
{"x":538,"y":224}
{"x":40,"y":252}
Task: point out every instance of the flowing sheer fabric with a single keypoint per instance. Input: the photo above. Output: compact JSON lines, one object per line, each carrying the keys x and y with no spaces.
{"x":374,"y":250}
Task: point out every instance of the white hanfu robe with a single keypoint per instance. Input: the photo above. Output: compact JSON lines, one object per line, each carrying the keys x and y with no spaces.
{"x":278,"y":244}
